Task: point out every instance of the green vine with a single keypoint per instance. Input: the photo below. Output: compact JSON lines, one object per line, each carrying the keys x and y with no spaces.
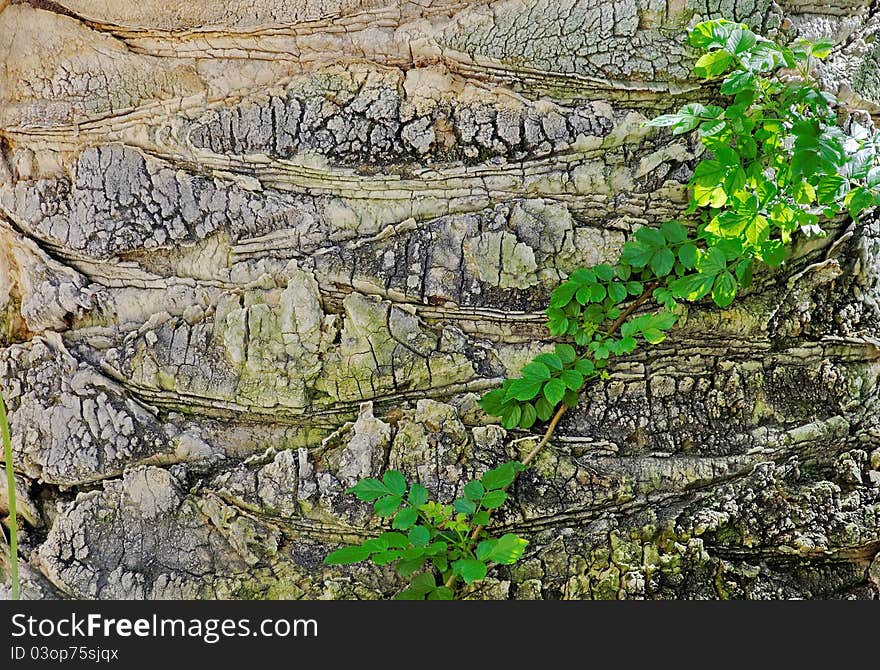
{"x":776,"y":164}
{"x":10,"y":484}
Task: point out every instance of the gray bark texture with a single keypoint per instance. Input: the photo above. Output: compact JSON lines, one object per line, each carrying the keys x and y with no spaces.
{"x":253,"y":251}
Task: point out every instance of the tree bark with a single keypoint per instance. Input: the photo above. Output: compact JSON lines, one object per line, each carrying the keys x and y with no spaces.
{"x":251,"y":252}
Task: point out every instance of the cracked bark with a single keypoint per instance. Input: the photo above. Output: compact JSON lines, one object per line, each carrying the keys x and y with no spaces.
{"x":253,"y":252}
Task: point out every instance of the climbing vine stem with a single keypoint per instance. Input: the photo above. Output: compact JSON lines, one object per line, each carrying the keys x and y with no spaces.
{"x":772,"y":163}
{"x":10,"y":488}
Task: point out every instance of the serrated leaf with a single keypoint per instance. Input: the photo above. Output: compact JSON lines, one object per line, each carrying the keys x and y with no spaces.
{"x":347,"y":555}
{"x":500,"y":477}
{"x":740,"y":41}
{"x":617,"y":291}
{"x":419,"y":536}
{"x":405,"y":518}
{"x":481,"y":518}
{"x":524,"y":389}
{"x":418,"y":494}
{"x":566,"y":353}
{"x":572,"y":379}
{"x":662,"y":262}
{"x":474,"y":490}
{"x":554,"y":390}
{"x":492,"y":403}
{"x":408,"y":566}
{"x":536,"y":371}
{"x":394,"y":540}
{"x":395,"y":481}
{"x":552,"y":361}
{"x":508,"y":549}
{"x":386,"y":557}
{"x":650,"y":237}
{"x":693,"y":286}
{"x":510,"y":418}
{"x":737,"y":81}
{"x":464,"y":506}
{"x":441,"y":593}
{"x":713,"y":262}
{"x":712,"y":64}
{"x":369,"y":489}
{"x":387,"y":505}
{"x":636,"y":254}
{"x":563,"y":294}
{"x":604,"y":272}
{"x":470,"y":569}
{"x":494,"y":499}
{"x":687,"y":254}
{"x":724,"y":290}
{"x":528,"y":416}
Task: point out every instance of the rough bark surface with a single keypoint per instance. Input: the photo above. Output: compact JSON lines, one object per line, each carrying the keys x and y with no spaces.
{"x":251,"y":252}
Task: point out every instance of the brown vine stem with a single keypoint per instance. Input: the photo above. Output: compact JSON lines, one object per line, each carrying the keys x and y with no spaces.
{"x":551,"y":427}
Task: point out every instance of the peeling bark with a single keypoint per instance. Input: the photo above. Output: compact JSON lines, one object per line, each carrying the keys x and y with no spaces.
{"x":253,"y":252}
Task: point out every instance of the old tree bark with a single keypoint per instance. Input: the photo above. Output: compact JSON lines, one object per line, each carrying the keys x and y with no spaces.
{"x":253,"y":251}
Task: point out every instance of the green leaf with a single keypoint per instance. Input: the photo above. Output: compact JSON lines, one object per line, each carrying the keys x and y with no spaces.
{"x":395,"y":481}
{"x":831,"y":188}
{"x":387,"y":505}
{"x":470,"y":570}
{"x":405,"y":518}
{"x":418,"y":494}
{"x":528,"y":416}
{"x":510,"y":418}
{"x":821,"y":48}
{"x":674,"y":232}
{"x":687,"y":254}
{"x":507,"y":550}
{"x":347,"y":555}
{"x":737,"y":81}
{"x":464,"y":506}
{"x":572,"y":379}
{"x":552,"y":361}
{"x":369,"y":489}
{"x":635,"y":288}
{"x":543,"y":409}
{"x":386,"y":557}
{"x":650,"y":237}
{"x":394,"y":540}
{"x":524,"y":389}
{"x":604,"y":272}
{"x":712,"y":33}
{"x":492,"y":403}
{"x":662,"y":262}
{"x":653,"y":335}
{"x":617,"y":291}
{"x":713,"y":262}
{"x":740,"y":41}
{"x":563,"y":294}
{"x":692,"y":287}
{"x":500,"y":477}
{"x":597,"y":293}
{"x":480,"y":518}
{"x":583,"y":276}
{"x":636,"y":254}
{"x":419,"y":536}
{"x":554,"y":390}
{"x":536,"y":371}
{"x":494,"y":499}
{"x":484,"y":548}
{"x":712,"y":64}
{"x":709,"y":173}
{"x":474,"y":490}
{"x":566,"y":353}
{"x":724,"y":290}
{"x":684,"y":120}
{"x":441,"y":593}
{"x":408,"y":566}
